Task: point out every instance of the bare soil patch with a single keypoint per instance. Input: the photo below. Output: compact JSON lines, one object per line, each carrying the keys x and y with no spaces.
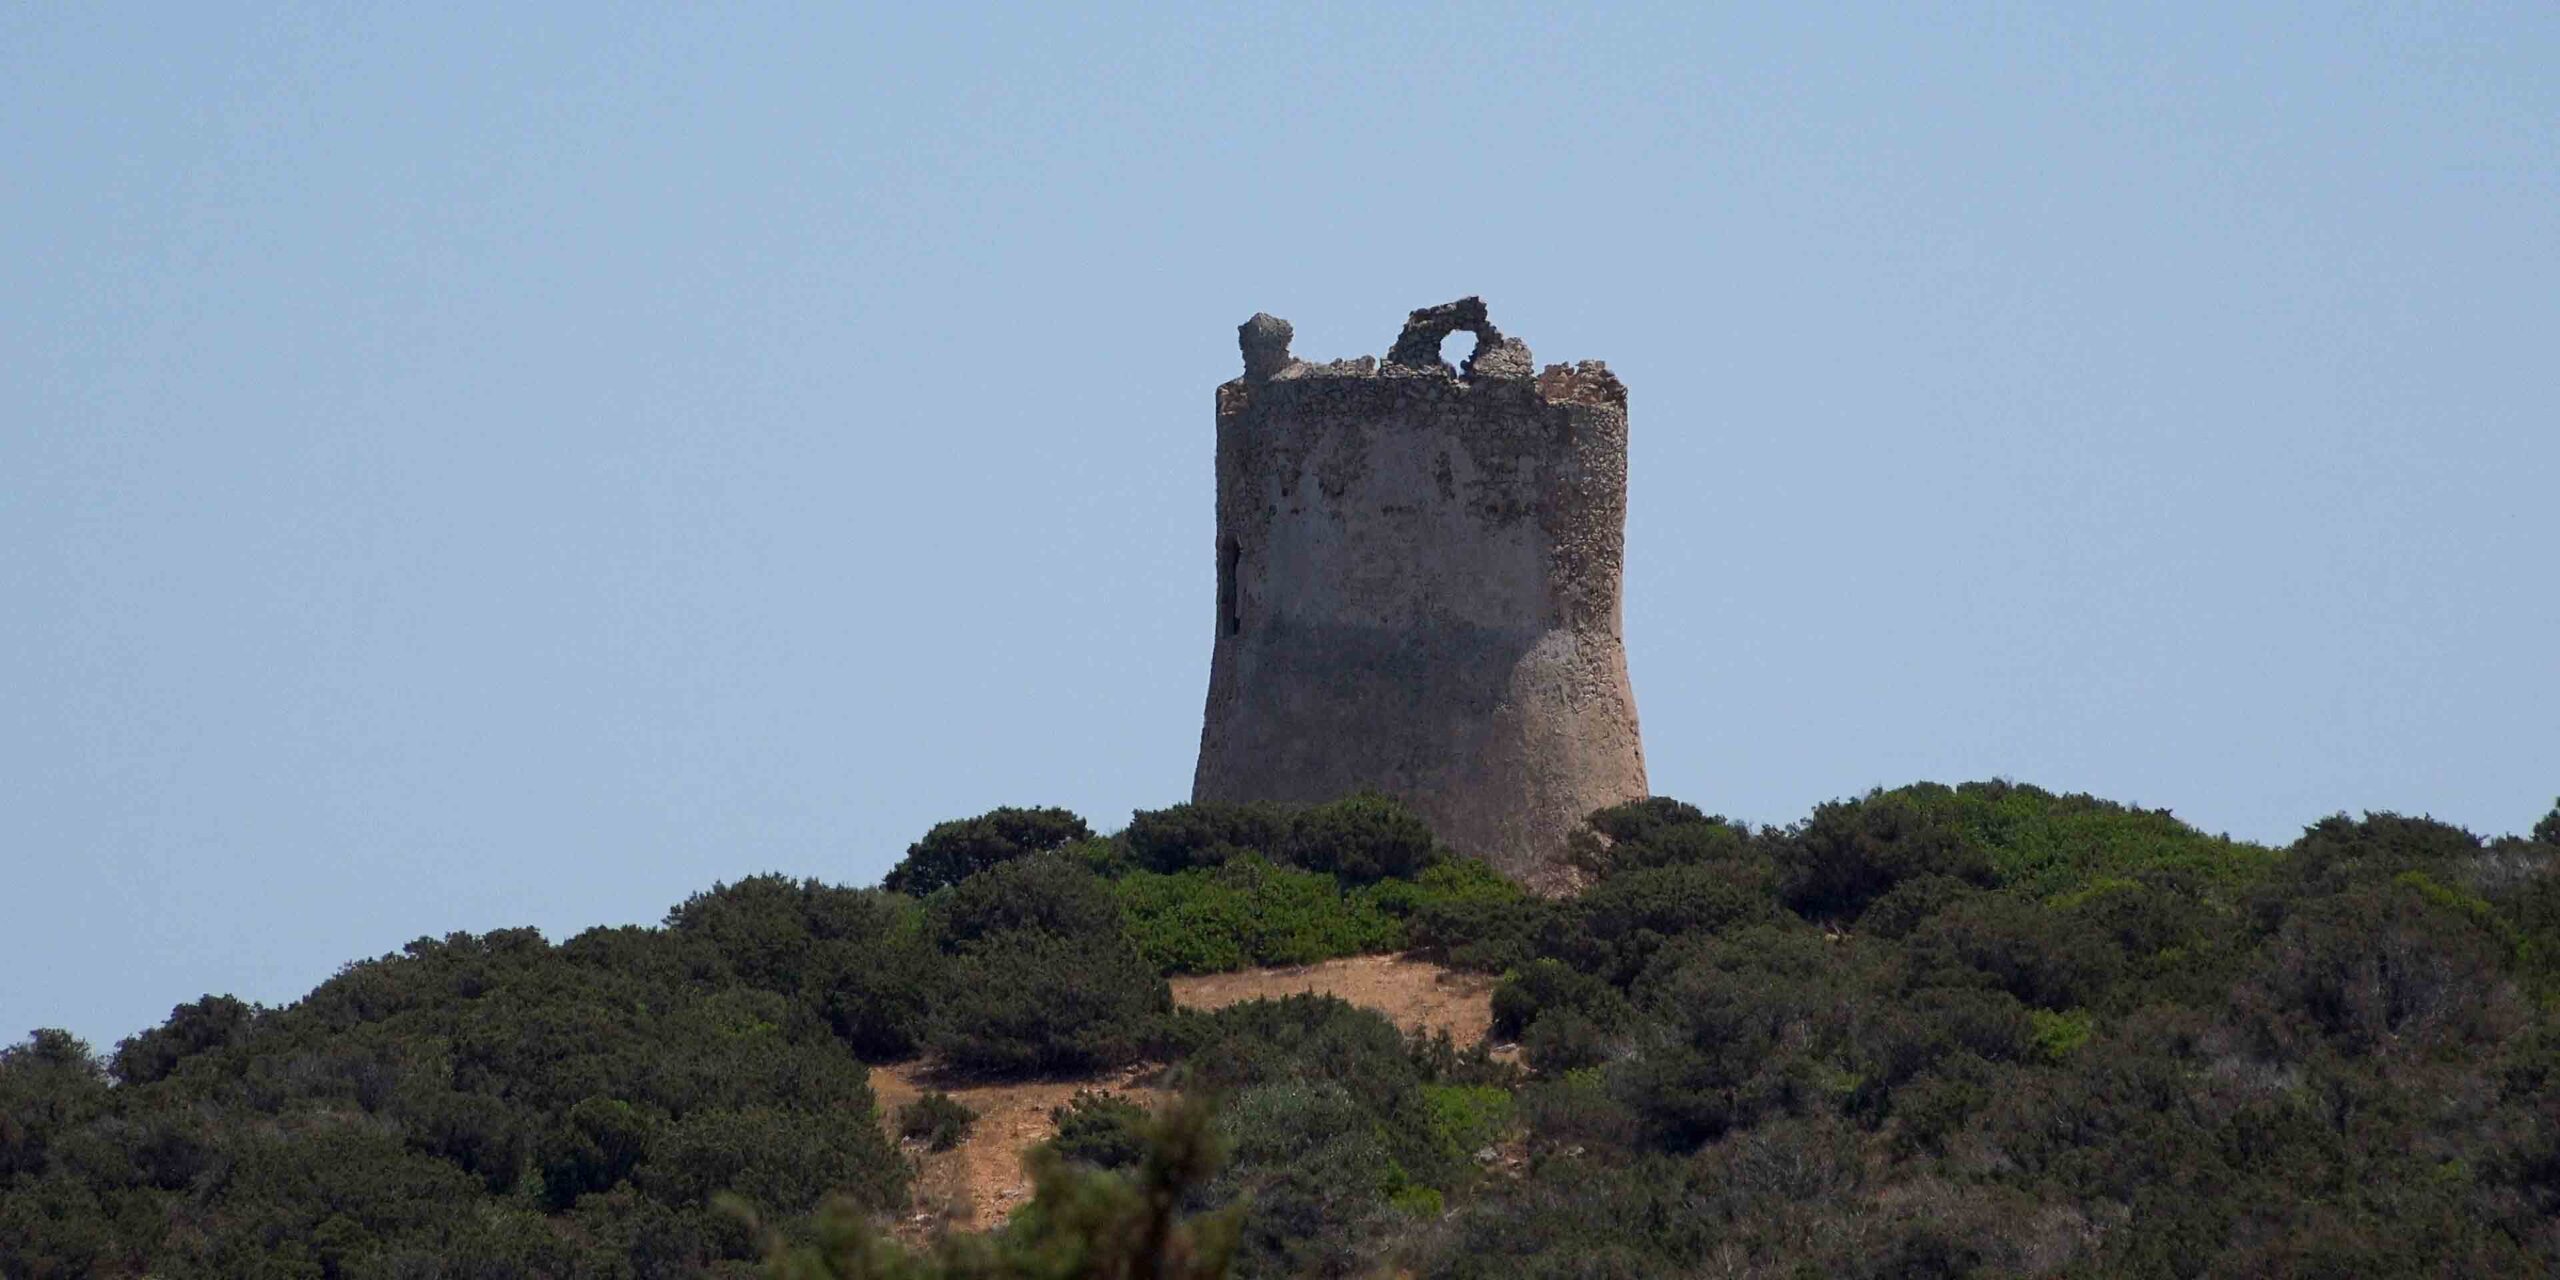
{"x":1416,"y":995}
{"x":973,"y":1186}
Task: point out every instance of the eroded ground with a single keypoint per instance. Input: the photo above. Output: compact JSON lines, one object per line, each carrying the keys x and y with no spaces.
{"x":974,"y":1185}
{"x":1414,"y":994}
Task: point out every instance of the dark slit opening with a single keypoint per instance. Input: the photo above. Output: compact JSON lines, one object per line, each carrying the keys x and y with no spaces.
{"x":1230,"y":610}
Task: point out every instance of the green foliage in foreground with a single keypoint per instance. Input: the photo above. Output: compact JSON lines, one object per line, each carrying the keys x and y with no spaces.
{"x":1216,"y":903}
{"x":1991,"y":1031}
{"x":1977,"y":1031}
{"x":1082,"y":1224}
{"x":1249,"y":911}
{"x":954,"y":851}
{"x":1103,"y":1130}
{"x":488,"y":1105}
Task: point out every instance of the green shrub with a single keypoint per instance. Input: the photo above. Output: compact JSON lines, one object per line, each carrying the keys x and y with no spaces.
{"x":1451,"y":881}
{"x":602,"y":1141}
{"x":778,"y":1161}
{"x":49,"y":1087}
{"x":192,"y":1029}
{"x":1850,"y":853}
{"x":1307,"y":1162}
{"x":1487,"y":936}
{"x":1568,"y":1039}
{"x":937,"y":1119}
{"x":1053,"y":896}
{"x":953,"y":851}
{"x":1361,"y":838}
{"x":486,"y":1105}
{"x":1028,"y":1001}
{"x":858,"y":958}
{"x":2055,"y":1036}
{"x":1896,"y":1040}
{"x":1326,"y":1108}
{"x":1545,"y":986}
{"x":1624,"y":920}
{"x":1899,"y":910}
{"x":2379,"y":970}
{"x":1662,"y":832}
{"x":1248,"y":912}
{"x":1311,"y":1039}
{"x":2044,"y":844}
{"x":1466,"y":1118}
{"x":2059,"y":1035}
{"x":1996,"y":939}
{"x":1104,"y":856}
{"x":1103,"y":1130}
{"x":1204,"y":835}
{"x":878,"y":996}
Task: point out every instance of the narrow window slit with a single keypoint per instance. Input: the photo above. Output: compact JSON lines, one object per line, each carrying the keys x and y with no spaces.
{"x":1230,"y":607}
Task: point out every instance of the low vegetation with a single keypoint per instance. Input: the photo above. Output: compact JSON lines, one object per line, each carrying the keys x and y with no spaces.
{"x":1980,"y":1030}
{"x":937,"y":1120}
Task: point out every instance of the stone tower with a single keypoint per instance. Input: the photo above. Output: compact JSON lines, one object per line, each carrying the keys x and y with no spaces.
{"x":1418,"y":588}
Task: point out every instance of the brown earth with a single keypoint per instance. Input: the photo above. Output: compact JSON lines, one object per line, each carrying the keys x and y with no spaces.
{"x":1414,"y":994}
{"x":975,"y":1185}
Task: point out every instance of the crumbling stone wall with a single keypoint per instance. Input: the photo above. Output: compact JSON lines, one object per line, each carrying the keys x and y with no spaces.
{"x":1418,"y":574}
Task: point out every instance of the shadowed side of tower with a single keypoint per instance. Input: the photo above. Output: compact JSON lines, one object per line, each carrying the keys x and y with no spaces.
{"x":1418,"y":588}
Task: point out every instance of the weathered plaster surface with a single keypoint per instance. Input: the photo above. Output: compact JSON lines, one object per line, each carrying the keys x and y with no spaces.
{"x":1419,"y":588}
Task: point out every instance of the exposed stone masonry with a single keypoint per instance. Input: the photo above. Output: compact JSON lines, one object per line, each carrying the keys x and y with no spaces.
{"x":1418,"y":587}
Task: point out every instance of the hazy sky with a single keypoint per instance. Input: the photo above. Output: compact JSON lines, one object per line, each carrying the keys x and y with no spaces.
{"x":520,"y":467}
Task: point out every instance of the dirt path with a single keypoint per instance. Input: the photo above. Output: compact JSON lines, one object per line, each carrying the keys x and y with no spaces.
{"x":975,"y":1185}
{"x":1414,"y":994}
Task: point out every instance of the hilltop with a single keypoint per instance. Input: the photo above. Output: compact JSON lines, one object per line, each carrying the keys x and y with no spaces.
{"x":1975,"y":1030}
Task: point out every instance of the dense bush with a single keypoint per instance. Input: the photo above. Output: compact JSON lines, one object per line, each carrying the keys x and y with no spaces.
{"x":936,"y":1119}
{"x":860,"y":959}
{"x":1981,"y":1030}
{"x":1852,"y":852}
{"x":2379,"y":969}
{"x":1542,"y":987}
{"x":1249,"y":911}
{"x":1315,"y":1176}
{"x":455,"y":1105}
{"x":779,"y":1161}
{"x":1053,"y":896}
{"x":1029,"y":1002}
{"x":1361,"y":838}
{"x":1103,"y":1130}
{"x":1331,"y":1122}
{"x":1487,"y":935}
{"x":1204,"y":835}
{"x":1618,"y":925}
{"x":1448,"y":881}
{"x":2042,"y":1035}
{"x":1662,"y":832}
{"x":192,"y":1029}
{"x":2042,"y":957}
{"x":953,"y":851}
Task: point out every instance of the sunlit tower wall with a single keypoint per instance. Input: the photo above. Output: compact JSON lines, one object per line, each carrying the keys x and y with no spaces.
{"x":1418,"y":588}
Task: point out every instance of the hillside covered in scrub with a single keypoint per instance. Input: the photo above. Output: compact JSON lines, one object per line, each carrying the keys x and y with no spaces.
{"x":1982,"y":1030}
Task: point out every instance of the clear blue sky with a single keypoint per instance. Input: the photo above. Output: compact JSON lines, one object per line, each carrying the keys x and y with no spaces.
{"x":520,"y":467}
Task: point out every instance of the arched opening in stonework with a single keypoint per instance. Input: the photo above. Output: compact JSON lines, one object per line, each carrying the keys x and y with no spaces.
{"x":1230,"y":604}
{"x":1458,"y":348}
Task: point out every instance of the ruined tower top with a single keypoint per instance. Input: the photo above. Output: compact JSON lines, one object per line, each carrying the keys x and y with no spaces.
{"x":1418,"y":587}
